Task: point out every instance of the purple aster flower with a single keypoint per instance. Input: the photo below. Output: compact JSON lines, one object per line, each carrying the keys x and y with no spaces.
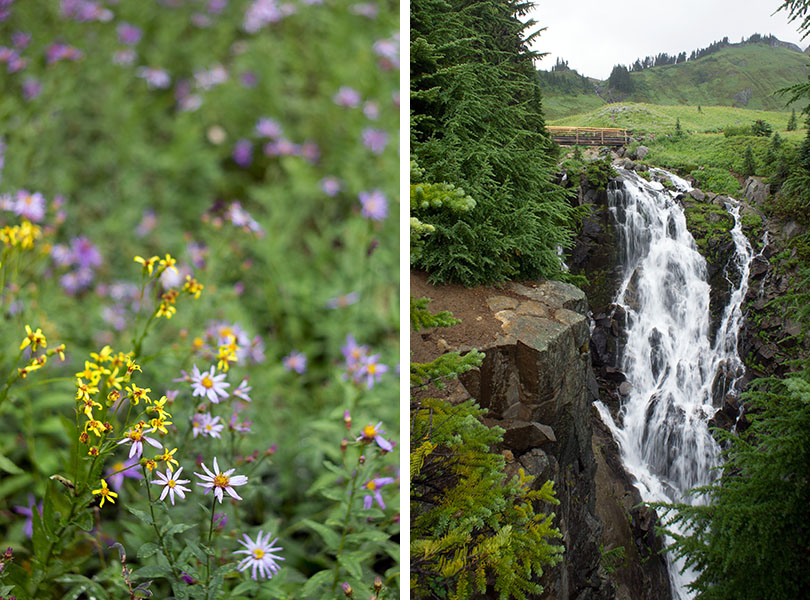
{"x":124,"y":57}
{"x":31,"y":88}
{"x":121,"y":469}
{"x":342,"y":301}
{"x":249,"y":79}
{"x":243,"y":427}
{"x":28,"y":513}
{"x":371,"y":110}
{"x":155,"y":78}
{"x":216,"y":7}
{"x":62,"y":255}
{"x":208,"y":384}
{"x":295,"y":361}
{"x":58,"y":51}
{"x":221,"y":482}
{"x":211,"y":427}
{"x":330,"y":185}
{"x":347,"y":96}
{"x":243,"y":153}
{"x":70,"y":283}
{"x":375,"y":139}
{"x":129,"y":34}
{"x":352,"y":352}
{"x":147,"y":224}
{"x":375,"y":205}
{"x":20,"y":39}
{"x":388,"y":51}
{"x":261,"y":556}
{"x":85,"y":254}
{"x":373,"y":486}
{"x":365,"y":9}
{"x":373,"y":433}
{"x":370,"y":370}
{"x":264,"y":12}
{"x":268,"y":128}
{"x":30,"y":206}
{"x":187,"y":578}
{"x":172,"y":484}
{"x":282,"y":147}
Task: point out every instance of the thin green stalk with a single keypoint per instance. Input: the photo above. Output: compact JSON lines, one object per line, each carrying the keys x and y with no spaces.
{"x":208,"y":544}
{"x":352,"y":491}
{"x":161,"y":542}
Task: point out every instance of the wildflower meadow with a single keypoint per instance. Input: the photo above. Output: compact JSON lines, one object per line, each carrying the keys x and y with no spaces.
{"x":199,"y":299}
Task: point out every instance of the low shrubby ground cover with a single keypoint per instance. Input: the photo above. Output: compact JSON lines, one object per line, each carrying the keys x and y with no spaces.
{"x":198,"y":280}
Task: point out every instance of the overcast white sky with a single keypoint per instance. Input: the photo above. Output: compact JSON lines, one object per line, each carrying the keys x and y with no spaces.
{"x":595,"y":35}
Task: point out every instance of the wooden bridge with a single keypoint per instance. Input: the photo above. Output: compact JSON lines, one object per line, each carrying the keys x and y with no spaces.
{"x":589,"y":136}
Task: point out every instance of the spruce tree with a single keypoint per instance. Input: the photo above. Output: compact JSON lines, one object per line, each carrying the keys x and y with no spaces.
{"x":678,"y":130}
{"x":477,"y":123}
{"x":749,"y":165}
{"x":791,"y":126}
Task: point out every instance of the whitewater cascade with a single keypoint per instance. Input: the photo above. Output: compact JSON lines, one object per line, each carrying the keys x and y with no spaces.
{"x":677,"y":375}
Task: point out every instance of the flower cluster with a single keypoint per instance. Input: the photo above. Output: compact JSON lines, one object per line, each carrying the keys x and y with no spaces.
{"x":362,"y":367}
{"x":35,"y":343}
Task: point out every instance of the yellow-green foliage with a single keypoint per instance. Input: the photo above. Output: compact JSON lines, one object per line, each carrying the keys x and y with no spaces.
{"x":472,"y":530}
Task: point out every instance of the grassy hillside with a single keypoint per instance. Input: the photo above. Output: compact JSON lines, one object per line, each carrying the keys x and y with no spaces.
{"x":739,"y":75}
{"x":703,"y":150}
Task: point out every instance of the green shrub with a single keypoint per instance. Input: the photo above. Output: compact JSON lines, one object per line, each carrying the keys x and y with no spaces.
{"x":719,"y":181}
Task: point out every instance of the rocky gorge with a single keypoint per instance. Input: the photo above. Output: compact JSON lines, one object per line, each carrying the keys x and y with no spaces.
{"x":552,"y":350}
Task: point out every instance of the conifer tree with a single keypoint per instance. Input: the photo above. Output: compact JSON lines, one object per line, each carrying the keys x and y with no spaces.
{"x":678,"y":130}
{"x":791,"y":125}
{"x":477,"y":124}
{"x":749,"y":165}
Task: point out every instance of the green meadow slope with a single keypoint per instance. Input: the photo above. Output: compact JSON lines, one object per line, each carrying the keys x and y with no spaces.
{"x":741,"y":75}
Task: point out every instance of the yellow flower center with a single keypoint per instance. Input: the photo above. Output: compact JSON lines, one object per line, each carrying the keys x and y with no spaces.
{"x":171,"y":483}
{"x":221,"y":481}
{"x":207,"y":383}
{"x":119,"y":466}
{"x":136,"y":435}
{"x":369,"y":431}
{"x":258,"y":553}
{"x":371,"y":485}
{"x":372,"y":368}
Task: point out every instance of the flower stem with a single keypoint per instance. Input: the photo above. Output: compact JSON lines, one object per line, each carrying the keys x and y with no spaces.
{"x":208,"y":544}
{"x":352,"y":490}
{"x":161,"y":542}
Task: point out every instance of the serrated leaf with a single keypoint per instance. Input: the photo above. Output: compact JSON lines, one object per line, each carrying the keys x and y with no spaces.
{"x":329,"y":536}
{"x":314,"y":583}
{"x":147,"y":550}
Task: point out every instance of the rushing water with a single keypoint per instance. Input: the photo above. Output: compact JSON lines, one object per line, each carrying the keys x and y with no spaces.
{"x":678,"y":376}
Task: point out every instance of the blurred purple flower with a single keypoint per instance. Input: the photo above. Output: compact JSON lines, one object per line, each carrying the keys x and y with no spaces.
{"x":249,"y":79}
{"x":263,"y":12}
{"x":208,"y":78}
{"x":256,"y":350}
{"x":365,"y":9}
{"x":155,"y":78}
{"x":375,"y":139}
{"x":128,"y":468}
{"x":200,"y":20}
{"x":243,"y":391}
{"x":343,"y":301}
{"x":5,"y":9}
{"x":62,"y":255}
{"x":28,"y":513}
{"x":58,"y":51}
{"x":197,"y":253}
{"x":310,"y":152}
{"x":352,"y":352}
{"x":147,"y":224}
{"x":20,"y":39}
{"x":243,"y":153}
{"x":124,"y":57}
{"x":31,"y":88}
{"x":347,"y":96}
{"x":129,"y":34}
{"x":370,"y":370}
{"x":16,"y":63}
{"x":268,"y":128}
{"x":30,"y":206}
{"x":70,"y":283}
{"x":85,"y":253}
{"x":295,"y":361}
{"x":330,"y":185}
{"x":375,"y":205}
{"x":388,"y":51}
{"x":371,"y":110}
{"x":282,"y":147}
{"x":85,"y":11}
{"x":243,"y":427}
{"x":215,"y":7}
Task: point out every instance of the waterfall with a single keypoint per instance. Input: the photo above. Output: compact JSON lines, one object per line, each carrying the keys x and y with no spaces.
{"x":677,"y":375}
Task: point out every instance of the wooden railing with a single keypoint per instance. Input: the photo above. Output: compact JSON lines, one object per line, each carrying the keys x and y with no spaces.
{"x":589,"y":136}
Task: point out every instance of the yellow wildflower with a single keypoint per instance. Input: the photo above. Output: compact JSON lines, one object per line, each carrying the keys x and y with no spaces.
{"x":104,"y":355}
{"x":84,"y":390}
{"x":159,"y":424}
{"x":159,"y":407}
{"x":136,"y":393}
{"x":96,"y":427}
{"x":33,"y":338}
{"x":193,"y":287}
{"x":148,"y":263}
{"x":167,"y":263}
{"x":168,"y":458}
{"x":105,"y":493}
{"x":114,"y":381}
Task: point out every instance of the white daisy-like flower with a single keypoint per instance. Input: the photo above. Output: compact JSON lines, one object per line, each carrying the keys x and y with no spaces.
{"x":221,"y":482}
{"x":172,"y":484}
{"x":211,"y":427}
{"x":243,"y":391}
{"x":137,"y":436}
{"x":261,"y":556}
{"x":209,"y":384}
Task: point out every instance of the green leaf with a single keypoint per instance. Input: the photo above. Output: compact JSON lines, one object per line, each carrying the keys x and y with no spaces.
{"x":315,"y":583}
{"x":152,"y":572}
{"x":353,"y":563}
{"x":179,"y":528}
{"x":329,"y":536}
{"x":147,"y":550}
{"x":368,"y":535}
{"x":84,"y":520}
{"x":246,"y":586}
{"x":143,"y":516}
{"x":9,"y":467}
